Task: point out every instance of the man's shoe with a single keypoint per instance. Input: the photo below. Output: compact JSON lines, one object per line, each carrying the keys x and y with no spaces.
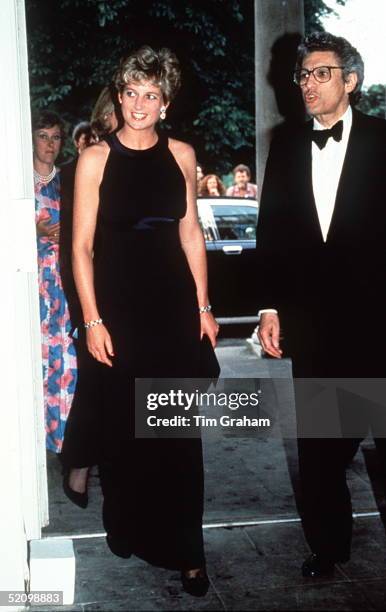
{"x":314,"y":567}
{"x":197,"y":585}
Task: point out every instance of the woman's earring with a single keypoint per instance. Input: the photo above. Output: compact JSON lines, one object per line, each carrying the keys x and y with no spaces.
{"x":162,"y":114}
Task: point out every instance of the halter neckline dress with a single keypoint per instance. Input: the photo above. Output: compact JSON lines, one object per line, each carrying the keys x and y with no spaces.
{"x":146,"y":295}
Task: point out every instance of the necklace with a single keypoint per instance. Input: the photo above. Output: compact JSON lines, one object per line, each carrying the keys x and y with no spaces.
{"x":44,"y":178}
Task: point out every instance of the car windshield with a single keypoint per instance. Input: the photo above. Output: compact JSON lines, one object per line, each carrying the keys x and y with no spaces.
{"x":236,"y":222}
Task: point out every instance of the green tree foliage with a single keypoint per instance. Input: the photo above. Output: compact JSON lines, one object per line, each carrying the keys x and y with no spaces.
{"x":373,"y":101}
{"x":75,"y":47}
{"x":314,"y":11}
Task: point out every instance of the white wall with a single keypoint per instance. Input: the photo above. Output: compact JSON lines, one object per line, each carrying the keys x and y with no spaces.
{"x":273,"y":19}
{"x":23,"y":507}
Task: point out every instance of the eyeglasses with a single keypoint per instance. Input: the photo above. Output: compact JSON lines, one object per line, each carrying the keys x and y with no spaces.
{"x":321,"y":74}
{"x":46,"y":138}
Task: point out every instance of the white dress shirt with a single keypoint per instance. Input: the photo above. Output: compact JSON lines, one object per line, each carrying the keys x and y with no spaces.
{"x":327,"y":164}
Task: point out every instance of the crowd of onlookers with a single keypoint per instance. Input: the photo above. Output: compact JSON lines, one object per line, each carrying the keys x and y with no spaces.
{"x":210,"y":185}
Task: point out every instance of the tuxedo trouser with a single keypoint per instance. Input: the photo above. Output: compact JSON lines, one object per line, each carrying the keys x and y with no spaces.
{"x":326,"y":503}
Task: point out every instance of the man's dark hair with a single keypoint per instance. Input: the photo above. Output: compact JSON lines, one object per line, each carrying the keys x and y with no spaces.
{"x":241,"y":168}
{"x":348,"y":57}
{"x":84,"y":127}
{"x":47,"y":119}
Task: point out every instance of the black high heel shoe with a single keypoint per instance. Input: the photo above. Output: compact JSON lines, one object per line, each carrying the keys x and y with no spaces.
{"x":79,"y":499}
{"x":197,"y":585}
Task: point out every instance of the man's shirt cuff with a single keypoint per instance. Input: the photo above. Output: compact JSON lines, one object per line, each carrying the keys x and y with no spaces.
{"x":271,"y":310}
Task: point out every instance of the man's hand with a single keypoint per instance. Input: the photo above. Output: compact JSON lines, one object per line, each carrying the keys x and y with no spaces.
{"x":269,"y":333}
{"x":49,"y":230}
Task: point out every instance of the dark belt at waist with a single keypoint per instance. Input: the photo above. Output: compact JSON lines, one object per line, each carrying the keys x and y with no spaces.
{"x":144,"y":224}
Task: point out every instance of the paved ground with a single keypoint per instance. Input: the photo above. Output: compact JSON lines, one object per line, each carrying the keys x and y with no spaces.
{"x":255,"y":566}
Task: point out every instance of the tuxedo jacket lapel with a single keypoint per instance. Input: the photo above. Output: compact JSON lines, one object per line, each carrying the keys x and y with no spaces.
{"x":350,"y":182}
{"x":306,"y":192}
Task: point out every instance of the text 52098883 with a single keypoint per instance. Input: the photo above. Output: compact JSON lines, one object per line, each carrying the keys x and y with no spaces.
{"x":18,"y":598}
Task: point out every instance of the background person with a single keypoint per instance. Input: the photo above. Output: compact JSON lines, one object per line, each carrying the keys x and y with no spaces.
{"x":211,"y":186}
{"x":242,"y":188}
{"x":106,"y":114}
{"x":59,"y":359}
{"x":321,"y":237}
{"x":82,"y":137}
{"x":146,"y":286}
{"x":104,"y":119}
{"x":200,"y":173}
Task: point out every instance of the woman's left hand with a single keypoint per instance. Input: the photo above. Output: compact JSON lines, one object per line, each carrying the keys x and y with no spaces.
{"x":209,"y":326}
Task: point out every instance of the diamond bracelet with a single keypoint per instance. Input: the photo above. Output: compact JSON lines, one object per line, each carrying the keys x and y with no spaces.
{"x":203,"y":309}
{"x":93,"y":323}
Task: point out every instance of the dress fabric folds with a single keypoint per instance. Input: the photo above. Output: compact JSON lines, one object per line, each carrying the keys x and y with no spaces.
{"x":58,"y":350}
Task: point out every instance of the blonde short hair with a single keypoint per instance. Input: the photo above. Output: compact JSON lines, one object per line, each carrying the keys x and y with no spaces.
{"x":161,"y":67}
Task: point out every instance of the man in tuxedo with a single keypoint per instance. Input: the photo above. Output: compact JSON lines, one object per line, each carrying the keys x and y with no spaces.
{"x":321,"y":243}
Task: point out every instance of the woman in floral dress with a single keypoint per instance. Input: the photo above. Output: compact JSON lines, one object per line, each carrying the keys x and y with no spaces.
{"x":59,"y":358}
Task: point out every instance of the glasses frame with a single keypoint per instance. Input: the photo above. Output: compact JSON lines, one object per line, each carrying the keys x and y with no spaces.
{"x":309,"y":72}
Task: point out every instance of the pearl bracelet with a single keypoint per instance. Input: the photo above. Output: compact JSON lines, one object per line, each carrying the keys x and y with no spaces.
{"x":203,"y":309}
{"x":93,"y":323}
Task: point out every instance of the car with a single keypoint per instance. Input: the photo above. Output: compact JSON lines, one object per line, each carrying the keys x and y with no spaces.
{"x":229,"y":227}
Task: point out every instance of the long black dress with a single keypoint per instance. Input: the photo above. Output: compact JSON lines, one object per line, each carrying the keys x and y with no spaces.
{"x":146,"y":295}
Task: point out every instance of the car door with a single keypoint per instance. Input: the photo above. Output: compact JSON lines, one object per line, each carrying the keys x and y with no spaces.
{"x":231,"y":240}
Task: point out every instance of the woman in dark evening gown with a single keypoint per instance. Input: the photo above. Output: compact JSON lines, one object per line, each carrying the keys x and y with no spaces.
{"x":145,"y":294}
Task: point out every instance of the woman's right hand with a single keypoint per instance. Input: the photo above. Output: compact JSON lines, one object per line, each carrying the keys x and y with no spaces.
{"x":99,"y":344}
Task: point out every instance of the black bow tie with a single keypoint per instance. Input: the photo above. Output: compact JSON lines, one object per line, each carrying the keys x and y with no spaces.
{"x":320,"y":137}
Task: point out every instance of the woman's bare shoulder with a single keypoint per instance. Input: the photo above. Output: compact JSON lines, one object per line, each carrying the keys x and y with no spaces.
{"x":96,"y":152}
{"x":95,"y":156}
{"x":181,"y":149}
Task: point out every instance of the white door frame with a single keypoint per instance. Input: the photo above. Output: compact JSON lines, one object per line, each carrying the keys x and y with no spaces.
{"x":23,"y":477}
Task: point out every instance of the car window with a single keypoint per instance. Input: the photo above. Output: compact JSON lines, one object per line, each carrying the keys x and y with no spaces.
{"x":207,"y":222}
{"x":236,"y":222}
